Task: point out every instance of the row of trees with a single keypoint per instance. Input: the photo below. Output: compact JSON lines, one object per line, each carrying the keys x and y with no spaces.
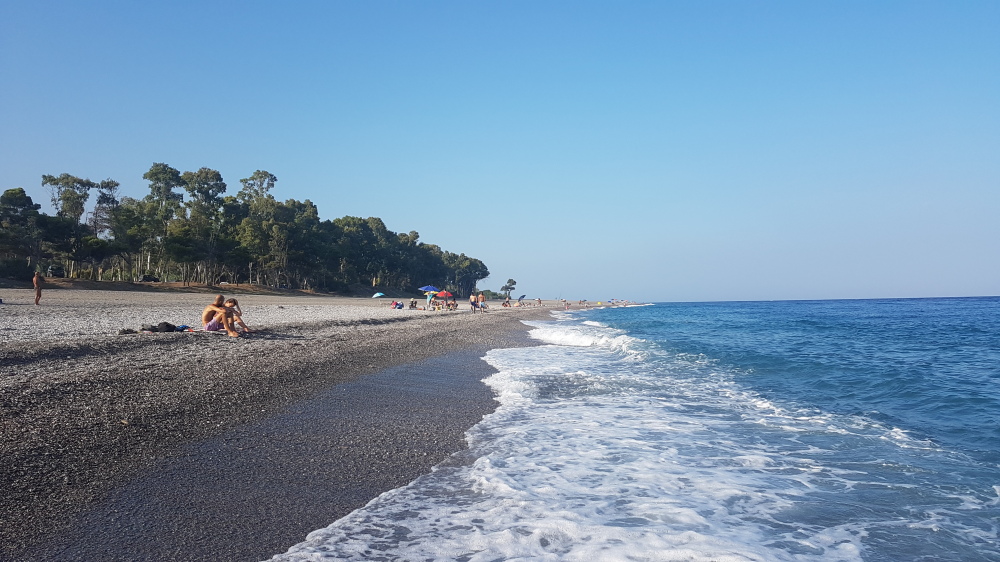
{"x":187,"y":229}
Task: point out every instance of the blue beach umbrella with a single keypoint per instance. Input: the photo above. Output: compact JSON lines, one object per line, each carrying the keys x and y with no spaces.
{"x":430,"y":288}
{"x":376,"y":295}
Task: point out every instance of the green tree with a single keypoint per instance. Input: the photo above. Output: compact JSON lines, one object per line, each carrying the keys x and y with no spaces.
{"x":163,"y":180}
{"x":255,"y":231}
{"x":95,"y":251}
{"x":305,"y":259}
{"x":182,"y":247}
{"x":163,"y":204}
{"x":131,"y":225}
{"x":63,"y":235}
{"x":20,"y":240}
{"x":506,"y":289}
{"x":256,"y":187}
{"x":204,"y":229}
{"x":465,"y":272}
{"x":107,"y":201}
{"x":69,"y":194}
{"x":205,"y":188}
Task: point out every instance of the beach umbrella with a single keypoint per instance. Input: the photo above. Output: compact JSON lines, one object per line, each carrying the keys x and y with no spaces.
{"x":445,"y":294}
{"x":430,"y":288}
{"x":376,"y":295}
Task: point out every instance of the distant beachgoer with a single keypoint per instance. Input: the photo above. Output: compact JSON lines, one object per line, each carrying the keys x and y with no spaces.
{"x":539,"y":301}
{"x":481,"y":302}
{"x":506,"y":302}
{"x":472,"y":301}
{"x":217,"y":316}
{"x":234,"y":306}
{"x":37,"y":282}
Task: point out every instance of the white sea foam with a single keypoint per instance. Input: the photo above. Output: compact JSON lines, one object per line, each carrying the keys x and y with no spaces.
{"x":607,"y":448}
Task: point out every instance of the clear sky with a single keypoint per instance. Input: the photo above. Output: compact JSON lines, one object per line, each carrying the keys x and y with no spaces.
{"x":662,"y":150}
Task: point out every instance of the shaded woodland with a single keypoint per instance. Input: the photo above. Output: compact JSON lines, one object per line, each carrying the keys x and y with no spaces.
{"x":188,"y":229}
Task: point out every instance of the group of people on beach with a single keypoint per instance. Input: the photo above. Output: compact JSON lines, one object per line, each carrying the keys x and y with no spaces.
{"x":224,"y":314}
{"x":478,"y":302}
{"x":520,"y":302}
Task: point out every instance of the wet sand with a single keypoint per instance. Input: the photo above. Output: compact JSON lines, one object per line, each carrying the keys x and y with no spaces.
{"x":196,"y":446}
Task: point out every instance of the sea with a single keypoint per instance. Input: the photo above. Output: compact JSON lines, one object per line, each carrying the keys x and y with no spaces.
{"x":732,"y":431}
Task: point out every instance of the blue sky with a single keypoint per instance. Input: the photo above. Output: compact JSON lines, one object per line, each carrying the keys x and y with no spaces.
{"x":645,"y":150}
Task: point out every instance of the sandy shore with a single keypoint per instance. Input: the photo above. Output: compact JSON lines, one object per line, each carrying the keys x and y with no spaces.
{"x":197,"y":446}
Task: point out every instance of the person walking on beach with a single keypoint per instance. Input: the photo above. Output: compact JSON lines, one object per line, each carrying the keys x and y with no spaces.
{"x":37,"y":282}
{"x":472,"y":300}
{"x":216,"y":316}
{"x":481,"y":301}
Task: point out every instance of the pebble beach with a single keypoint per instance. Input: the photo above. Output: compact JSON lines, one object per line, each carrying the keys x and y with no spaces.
{"x":246,"y":443}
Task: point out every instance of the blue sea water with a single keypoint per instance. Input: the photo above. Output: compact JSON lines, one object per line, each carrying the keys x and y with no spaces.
{"x":822,"y":430}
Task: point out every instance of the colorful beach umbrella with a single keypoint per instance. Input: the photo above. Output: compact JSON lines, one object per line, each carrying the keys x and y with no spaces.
{"x":445,"y":294}
{"x":430,"y":288}
{"x":376,"y":295}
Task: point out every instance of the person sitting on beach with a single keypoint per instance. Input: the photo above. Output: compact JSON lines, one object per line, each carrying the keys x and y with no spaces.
{"x":217,"y":316}
{"x":413,"y":304}
{"x":234,"y":305}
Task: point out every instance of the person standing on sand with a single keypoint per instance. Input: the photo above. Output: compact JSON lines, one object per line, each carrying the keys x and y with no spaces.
{"x":472,"y":300}
{"x":37,"y":282}
{"x":216,"y":317}
{"x":481,"y":301}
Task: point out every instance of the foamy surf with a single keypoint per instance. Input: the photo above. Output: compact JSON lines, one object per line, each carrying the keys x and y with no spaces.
{"x":608,"y":446}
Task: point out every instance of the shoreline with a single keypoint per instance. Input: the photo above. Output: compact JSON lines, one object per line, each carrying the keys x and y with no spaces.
{"x":90,"y":424}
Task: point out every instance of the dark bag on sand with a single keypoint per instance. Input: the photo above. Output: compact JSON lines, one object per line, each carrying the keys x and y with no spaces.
{"x":161,"y":327}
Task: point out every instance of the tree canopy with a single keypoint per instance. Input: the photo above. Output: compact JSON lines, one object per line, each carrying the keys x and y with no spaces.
{"x":187,"y":229}
{"x":508,"y":287}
